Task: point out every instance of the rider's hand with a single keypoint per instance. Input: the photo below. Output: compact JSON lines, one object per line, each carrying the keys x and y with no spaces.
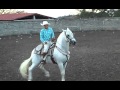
{"x":45,"y":42}
{"x":53,"y":39}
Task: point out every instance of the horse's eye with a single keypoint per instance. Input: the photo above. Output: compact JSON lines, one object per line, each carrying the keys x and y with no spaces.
{"x":68,"y":35}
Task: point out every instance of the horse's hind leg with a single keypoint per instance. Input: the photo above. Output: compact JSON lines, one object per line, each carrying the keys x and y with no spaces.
{"x":35,"y":62}
{"x":31,"y":68}
{"x":47,"y":74}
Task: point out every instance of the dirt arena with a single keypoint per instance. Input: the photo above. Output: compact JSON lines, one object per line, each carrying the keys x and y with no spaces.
{"x":96,"y":57}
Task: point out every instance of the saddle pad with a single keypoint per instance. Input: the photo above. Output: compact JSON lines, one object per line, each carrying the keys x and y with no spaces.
{"x":38,"y":49}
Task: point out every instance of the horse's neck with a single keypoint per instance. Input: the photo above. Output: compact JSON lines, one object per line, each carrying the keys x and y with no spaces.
{"x":61,"y":42}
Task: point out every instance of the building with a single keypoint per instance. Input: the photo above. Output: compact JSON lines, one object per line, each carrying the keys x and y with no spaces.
{"x":23,"y":16}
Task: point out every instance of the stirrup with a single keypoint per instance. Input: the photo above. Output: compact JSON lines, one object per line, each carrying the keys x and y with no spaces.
{"x":43,"y":61}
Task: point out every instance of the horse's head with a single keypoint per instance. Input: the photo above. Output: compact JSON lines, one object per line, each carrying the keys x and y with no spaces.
{"x":70,"y":36}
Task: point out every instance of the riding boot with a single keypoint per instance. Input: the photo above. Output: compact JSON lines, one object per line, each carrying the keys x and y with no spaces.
{"x":44,"y":58}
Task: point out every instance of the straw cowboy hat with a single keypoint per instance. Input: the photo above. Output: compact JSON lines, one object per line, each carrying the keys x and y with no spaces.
{"x":45,"y":23}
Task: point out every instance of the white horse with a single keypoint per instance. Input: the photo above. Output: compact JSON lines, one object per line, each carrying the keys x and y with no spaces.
{"x":60,"y":54}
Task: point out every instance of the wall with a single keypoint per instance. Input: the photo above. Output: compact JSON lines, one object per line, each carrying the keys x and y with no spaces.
{"x":33,"y":26}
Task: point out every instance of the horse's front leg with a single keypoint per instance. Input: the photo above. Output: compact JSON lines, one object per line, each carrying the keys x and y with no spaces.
{"x":65,"y":65}
{"x":62,"y":71}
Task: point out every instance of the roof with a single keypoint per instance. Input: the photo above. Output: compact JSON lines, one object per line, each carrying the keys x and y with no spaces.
{"x":16,"y":16}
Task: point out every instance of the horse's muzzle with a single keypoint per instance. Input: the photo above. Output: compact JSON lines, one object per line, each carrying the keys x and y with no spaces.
{"x":73,"y":42}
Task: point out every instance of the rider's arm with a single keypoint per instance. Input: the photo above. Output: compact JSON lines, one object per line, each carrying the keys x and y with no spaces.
{"x":53,"y":35}
{"x":41,"y":36}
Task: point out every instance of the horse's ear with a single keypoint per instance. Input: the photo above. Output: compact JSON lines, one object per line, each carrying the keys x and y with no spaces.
{"x":63,"y":30}
{"x":68,"y":28}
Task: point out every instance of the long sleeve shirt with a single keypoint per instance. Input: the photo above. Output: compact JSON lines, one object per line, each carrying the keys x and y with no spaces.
{"x":46,"y":34}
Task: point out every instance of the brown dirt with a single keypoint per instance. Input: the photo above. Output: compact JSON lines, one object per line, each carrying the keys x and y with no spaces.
{"x":96,"y":57}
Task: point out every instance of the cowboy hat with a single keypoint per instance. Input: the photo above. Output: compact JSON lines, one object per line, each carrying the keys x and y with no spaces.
{"x":45,"y":23}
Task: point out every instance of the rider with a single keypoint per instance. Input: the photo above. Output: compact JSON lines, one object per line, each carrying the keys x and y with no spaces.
{"x":46,"y":34}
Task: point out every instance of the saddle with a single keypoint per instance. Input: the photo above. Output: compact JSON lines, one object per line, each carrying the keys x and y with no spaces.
{"x":39,"y":50}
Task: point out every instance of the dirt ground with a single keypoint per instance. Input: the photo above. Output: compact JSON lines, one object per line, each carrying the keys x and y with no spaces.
{"x":96,"y":57}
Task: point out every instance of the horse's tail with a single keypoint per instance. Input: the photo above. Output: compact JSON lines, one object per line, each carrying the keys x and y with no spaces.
{"x":24,"y":68}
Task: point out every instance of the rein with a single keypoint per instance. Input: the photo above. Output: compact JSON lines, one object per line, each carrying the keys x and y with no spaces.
{"x":64,"y":53}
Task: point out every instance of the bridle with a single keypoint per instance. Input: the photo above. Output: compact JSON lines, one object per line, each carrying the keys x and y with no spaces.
{"x":67,"y":37}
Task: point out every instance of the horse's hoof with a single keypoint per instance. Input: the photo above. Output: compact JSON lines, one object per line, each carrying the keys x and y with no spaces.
{"x":29,"y":80}
{"x":63,"y":80}
{"x":47,"y":75}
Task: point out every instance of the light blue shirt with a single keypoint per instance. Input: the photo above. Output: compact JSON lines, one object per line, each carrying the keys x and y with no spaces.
{"x":46,"y":34}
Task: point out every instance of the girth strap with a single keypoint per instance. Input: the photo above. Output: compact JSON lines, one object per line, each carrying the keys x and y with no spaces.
{"x":52,"y":59}
{"x":64,"y":53}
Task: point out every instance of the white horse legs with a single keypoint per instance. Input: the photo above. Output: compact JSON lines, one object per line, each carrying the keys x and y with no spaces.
{"x":62,"y":71}
{"x":35,"y":62}
{"x":32,"y":67}
{"x":30,"y":72}
{"x":47,"y":74}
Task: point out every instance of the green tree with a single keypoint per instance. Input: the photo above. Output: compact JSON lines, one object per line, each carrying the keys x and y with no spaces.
{"x":91,"y":13}
{"x":117,"y":13}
